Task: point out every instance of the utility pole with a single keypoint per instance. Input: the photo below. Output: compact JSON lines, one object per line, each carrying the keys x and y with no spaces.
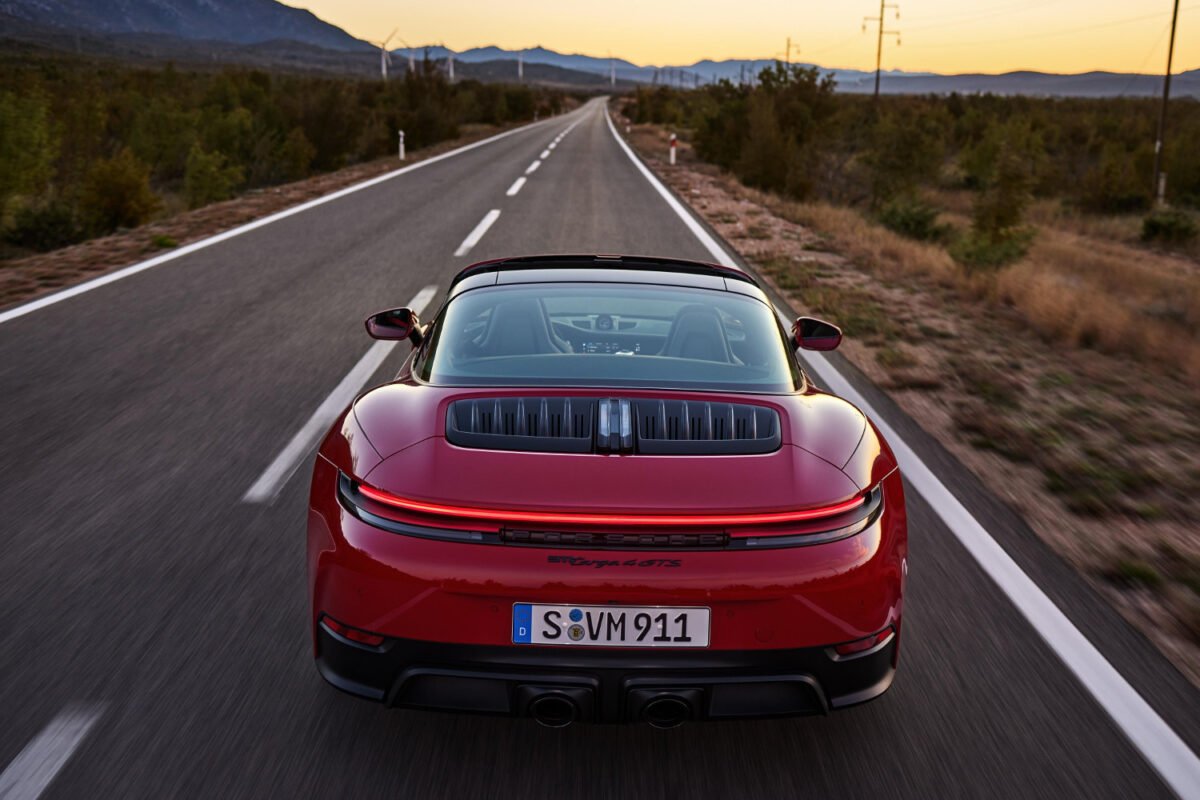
{"x":883,"y":6}
{"x":787,"y":53}
{"x":1160,"y":177}
{"x":521,"y":66}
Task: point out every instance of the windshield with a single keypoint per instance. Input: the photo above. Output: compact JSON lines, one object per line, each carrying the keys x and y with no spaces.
{"x":604,"y":334}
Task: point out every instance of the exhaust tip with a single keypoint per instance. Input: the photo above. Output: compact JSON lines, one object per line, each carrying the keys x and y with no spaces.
{"x":666,"y":712}
{"x":554,"y":710}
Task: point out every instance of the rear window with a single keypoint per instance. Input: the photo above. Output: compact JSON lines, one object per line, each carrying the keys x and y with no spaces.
{"x":589,"y":334}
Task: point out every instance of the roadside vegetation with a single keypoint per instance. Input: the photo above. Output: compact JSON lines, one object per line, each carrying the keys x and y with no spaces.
{"x":1001,"y":196}
{"x":997,"y":267}
{"x":88,"y":148}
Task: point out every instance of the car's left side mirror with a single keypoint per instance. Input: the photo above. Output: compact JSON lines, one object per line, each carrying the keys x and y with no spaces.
{"x":394,"y":325}
{"x":810,"y":333}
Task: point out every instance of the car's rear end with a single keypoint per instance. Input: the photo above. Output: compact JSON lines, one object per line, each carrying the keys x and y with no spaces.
{"x":606,"y":554}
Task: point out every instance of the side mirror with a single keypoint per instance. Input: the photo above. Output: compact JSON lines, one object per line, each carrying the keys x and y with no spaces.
{"x":809,"y":333}
{"x":394,"y":325}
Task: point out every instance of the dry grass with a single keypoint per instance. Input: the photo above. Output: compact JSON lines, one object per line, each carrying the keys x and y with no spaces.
{"x":1103,"y":294}
{"x":870,"y":244}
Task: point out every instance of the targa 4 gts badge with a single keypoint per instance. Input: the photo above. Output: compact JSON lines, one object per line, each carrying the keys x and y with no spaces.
{"x":599,"y":563}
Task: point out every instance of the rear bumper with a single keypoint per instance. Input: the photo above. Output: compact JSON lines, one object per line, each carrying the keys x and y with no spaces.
{"x":604,"y":686}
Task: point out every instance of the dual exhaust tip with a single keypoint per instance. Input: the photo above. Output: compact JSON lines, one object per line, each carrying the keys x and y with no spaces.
{"x":558,"y":710}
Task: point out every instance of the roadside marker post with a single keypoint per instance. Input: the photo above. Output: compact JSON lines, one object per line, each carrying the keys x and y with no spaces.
{"x":401,"y":145}
{"x":672,"y":149}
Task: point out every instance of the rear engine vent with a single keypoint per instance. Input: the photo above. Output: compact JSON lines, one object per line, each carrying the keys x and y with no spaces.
{"x":541,"y":424}
{"x":612,"y":426}
{"x":694,"y":427}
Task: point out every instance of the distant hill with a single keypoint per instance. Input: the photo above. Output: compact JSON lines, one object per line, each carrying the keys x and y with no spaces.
{"x":268,"y":34}
{"x":236,"y":21}
{"x":21,"y":40}
{"x":1089,"y":84}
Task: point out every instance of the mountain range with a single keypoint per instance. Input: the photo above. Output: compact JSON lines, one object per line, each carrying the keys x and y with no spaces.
{"x":235,"y":21}
{"x":259,"y":32}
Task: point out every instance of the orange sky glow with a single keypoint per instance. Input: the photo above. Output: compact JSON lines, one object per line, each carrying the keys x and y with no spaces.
{"x":936,"y":35}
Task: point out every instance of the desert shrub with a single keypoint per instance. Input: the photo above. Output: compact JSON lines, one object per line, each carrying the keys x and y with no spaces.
{"x":913,"y":218}
{"x":906,"y":150}
{"x":1115,"y":184}
{"x":1169,"y":226}
{"x":27,"y":146}
{"x":981,"y":251}
{"x":296,"y":155}
{"x":116,"y":194}
{"x":208,"y":178}
{"x":44,"y":227}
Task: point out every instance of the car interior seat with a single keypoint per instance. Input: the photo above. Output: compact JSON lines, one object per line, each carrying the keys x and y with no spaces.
{"x":697,"y":332}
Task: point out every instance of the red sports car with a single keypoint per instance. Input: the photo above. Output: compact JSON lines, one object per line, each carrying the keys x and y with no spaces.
{"x":603,"y":489}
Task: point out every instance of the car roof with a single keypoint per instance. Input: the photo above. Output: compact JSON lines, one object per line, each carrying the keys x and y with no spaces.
{"x":605,"y":269}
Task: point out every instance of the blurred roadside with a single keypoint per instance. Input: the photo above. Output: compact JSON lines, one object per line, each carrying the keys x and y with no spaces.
{"x":1097,"y":450}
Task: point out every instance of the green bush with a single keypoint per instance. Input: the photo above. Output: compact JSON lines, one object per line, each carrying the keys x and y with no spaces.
{"x":44,"y":227}
{"x":979,"y":251}
{"x":1169,"y":226}
{"x":914,"y":219}
{"x":1115,"y":185}
{"x":116,"y":194}
{"x":208,"y":179}
{"x":27,"y":147}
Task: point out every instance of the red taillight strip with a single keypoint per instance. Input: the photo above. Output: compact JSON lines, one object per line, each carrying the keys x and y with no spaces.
{"x":699,"y":520}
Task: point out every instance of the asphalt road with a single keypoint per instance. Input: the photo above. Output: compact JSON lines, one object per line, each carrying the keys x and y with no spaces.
{"x":160,"y":622}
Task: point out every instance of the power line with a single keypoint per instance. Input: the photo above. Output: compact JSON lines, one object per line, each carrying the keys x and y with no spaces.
{"x":1160,"y":178}
{"x":1063,"y":32}
{"x":950,"y":22}
{"x":883,"y":6}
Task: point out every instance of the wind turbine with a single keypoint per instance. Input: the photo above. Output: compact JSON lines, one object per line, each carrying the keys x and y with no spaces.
{"x":385,"y":57}
{"x":412,"y":64}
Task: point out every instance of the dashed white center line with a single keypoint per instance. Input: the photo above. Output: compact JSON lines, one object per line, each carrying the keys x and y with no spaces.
{"x":552,"y":145}
{"x":545,"y":153}
{"x":533,"y":167}
{"x":34,"y":767}
{"x":474,"y":236}
{"x":284,"y":466}
{"x":516,"y":187}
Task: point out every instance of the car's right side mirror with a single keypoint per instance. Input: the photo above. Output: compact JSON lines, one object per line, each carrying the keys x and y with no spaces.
{"x":394,"y":325}
{"x":810,"y":333}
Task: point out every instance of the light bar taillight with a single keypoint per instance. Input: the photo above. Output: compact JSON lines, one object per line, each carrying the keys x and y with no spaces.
{"x":572,"y":518}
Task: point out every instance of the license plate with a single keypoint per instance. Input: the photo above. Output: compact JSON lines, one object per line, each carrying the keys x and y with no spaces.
{"x":610,"y":626}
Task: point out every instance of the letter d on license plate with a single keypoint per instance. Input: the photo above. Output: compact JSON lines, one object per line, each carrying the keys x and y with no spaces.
{"x":610,"y":626}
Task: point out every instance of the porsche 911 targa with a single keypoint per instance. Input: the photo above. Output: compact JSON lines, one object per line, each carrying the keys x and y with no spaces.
{"x":603,"y":489}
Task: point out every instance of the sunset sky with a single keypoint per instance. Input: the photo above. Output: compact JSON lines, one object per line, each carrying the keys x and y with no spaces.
{"x":937,"y":35}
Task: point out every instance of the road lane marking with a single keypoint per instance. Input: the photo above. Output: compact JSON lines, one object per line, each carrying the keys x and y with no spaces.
{"x":35,"y":767}
{"x":516,"y":187}
{"x":545,"y":153}
{"x":112,"y":277}
{"x":474,"y":236}
{"x":533,"y":167}
{"x":265,"y":489}
{"x":552,"y":145}
{"x":1158,"y":743}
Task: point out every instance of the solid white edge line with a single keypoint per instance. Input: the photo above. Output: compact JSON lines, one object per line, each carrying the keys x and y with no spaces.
{"x":516,"y":187}
{"x":1158,"y":743}
{"x":28,"y":775}
{"x":545,"y":153}
{"x":180,"y":252}
{"x":474,"y":236}
{"x":533,"y":167}
{"x":285,"y":464}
